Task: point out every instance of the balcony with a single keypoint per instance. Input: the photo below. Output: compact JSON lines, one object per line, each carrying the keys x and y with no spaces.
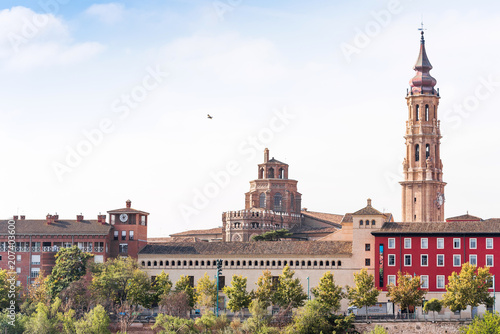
{"x":98,"y":249}
{"x":22,"y":249}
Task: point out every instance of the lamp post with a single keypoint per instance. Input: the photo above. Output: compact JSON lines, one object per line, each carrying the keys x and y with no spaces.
{"x":308,"y":297}
{"x":219,"y":271}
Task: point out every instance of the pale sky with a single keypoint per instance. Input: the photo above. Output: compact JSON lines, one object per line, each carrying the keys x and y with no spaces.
{"x":107,"y":101}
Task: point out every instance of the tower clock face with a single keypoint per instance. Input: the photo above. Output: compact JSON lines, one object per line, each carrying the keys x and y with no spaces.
{"x":123,"y":217}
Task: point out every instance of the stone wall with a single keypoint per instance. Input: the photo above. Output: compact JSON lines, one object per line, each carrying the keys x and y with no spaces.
{"x":414,"y":327}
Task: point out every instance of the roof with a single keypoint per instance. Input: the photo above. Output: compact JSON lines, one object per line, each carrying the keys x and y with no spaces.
{"x":367,"y":211}
{"x":128,"y":210}
{"x":328,"y":218}
{"x":465,"y":217}
{"x":68,"y":227}
{"x":275,"y":161}
{"x":252,"y":248}
{"x":174,"y":239}
{"x":215,"y":230}
{"x":310,"y":230}
{"x":490,"y":226}
{"x":347,"y":218}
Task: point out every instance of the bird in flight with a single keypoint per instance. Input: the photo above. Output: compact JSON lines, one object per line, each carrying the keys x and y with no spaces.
{"x":209,"y":117}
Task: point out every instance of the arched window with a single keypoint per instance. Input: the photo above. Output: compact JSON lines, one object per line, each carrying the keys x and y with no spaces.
{"x":426,"y":112}
{"x":155,"y":263}
{"x":261,"y":173}
{"x":226,"y":263}
{"x":327,"y":263}
{"x":167,"y":263}
{"x":416,"y":113}
{"x":262,"y":263}
{"x":315,"y":263}
{"x":179,"y":262}
{"x":308,"y":263}
{"x":284,"y":263}
{"x":281,"y":174}
{"x":417,"y":152}
{"x":244,"y":263}
{"x":339,"y":263}
{"x":361,"y":222}
{"x":196,"y":263}
{"x":214,"y":263}
{"x":367,"y":222}
{"x":238,"y":263}
{"x":143,"y":263}
{"x":274,"y":263}
{"x":149,"y":263}
{"x":278,"y":201}
{"x":292,"y":203}
{"x":202,"y":262}
{"x":320,"y":263}
{"x":184,"y":263}
{"x":270,"y":173}
{"x":303,"y":263}
{"x":190,"y":263}
{"x":262,"y":200}
{"x":373,"y":222}
{"x":296,"y":263}
{"x":427,"y":150}
{"x":267,"y":263}
{"x":232,"y":263}
{"x":161,"y":263}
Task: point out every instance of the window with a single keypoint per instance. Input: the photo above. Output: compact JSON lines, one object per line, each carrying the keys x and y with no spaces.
{"x":115,"y":235}
{"x":367,"y":262}
{"x":427,"y":151}
{"x":426,"y":112}
{"x":472,"y":243}
{"x":124,"y":235}
{"x":131,"y":235}
{"x":407,"y":243}
{"x":18,"y":257}
{"x":424,"y":243}
{"x":143,"y":220}
{"x":339,"y":263}
{"x":424,"y":281}
{"x":113,"y":219}
{"x":262,"y":200}
{"x":440,"y":243}
{"x":424,"y":260}
{"x":391,"y":260}
{"x":391,"y":243}
{"x":191,"y":281}
{"x":123,"y":249}
{"x":222,"y":282}
{"x":417,"y":112}
{"x":278,"y":201}
{"x":361,"y":222}
{"x":391,"y":279}
{"x":456,"y":261}
{"x":18,"y":270}
{"x":440,"y":281}
{"x":489,"y":260}
{"x":417,"y":152}
{"x":35,"y":259}
{"x":456,"y":243}
{"x":35,"y":272}
{"x":407,"y":260}
{"x":489,"y":243}
{"x":373,"y":222}
{"x":473,"y":260}
{"x":367,"y":247}
{"x":98,"y":258}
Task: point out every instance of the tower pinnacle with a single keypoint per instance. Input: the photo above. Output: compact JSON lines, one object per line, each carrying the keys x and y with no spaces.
{"x":422,"y":82}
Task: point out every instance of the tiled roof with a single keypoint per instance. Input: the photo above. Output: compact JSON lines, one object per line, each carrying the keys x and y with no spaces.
{"x":368,"y":211}
{"x":128,"y":210}
{"x":173,"y":239}
{"x":72,"y":227}
{"x":252,"y":248}
{"x":311,"y":230}
{"x":456,"y":227}
{"x":465,"y":217}
{"x":328,"y":218}
{"x":347,"y":218}
{"x":276,"y":161}
{"x":216,"y":230}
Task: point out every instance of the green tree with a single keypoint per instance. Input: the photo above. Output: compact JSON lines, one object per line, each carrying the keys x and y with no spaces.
{"x":328,"y":293}
{"x":184,"y":285}
{"x":12,"y":324}
{"x":289,"y":292}
{"x":71,"y":265}
{"x":171,"y":324}
{"x":206,"y":291}
{"x":364,"y":292}
{"x":407,"y":292}
{"x":237,"y":293}
{"x":161,"y":286}
{"x":490,"y":324}
{"x":434,"y":305}
{"x":468,"y":288}
{"x":259,"y":321}
{"x":272,"y":235}
{"x":378,"y":330}
{"x":96,"y":321}
{"x":8,"y":281}
{"x":45,"y":320}
{"x":265,"y":290}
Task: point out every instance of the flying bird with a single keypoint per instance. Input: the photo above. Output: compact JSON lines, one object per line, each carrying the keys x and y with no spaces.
{"x":209,"y":117}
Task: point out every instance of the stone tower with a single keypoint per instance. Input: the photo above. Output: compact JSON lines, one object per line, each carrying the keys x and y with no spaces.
{"x":423,"y":186}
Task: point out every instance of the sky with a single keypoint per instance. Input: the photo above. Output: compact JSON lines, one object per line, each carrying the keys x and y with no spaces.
{"x":101,"y":102}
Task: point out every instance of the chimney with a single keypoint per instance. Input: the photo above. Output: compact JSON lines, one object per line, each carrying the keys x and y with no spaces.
{"x":56,"y":217}
{"x":50,"y":219}
{"x":15,"y":217}
{"x":129,"y":203}
{"x":79,"y":218}
{"x":101,"y":219}
{"x":266,"y":155}
{"x":369,"y":202}
{"x":23,"y":217}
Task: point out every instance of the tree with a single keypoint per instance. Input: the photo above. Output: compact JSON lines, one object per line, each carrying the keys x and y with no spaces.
{"x":96,"y":321}
{"x":328,"y":293}
{"x":237,"y":293}
{"x":161,"y":286}
{"x":272,"y":235}
{"x":206,"y":291}
{"x":364,"y":292}
{"x":175,"y":304}
{"x":259,"y":321}
{"x":184,"y":285}
{"x":265,"y":290}
{"x":490,"y":323}
{"x":77,"y":296}
{"x":407,"y":292}
{"x":289,"y":292}
{"x":433,"y":305}
{"x":172,"y":324}
{"x":7,"y":283}
{"x":71,"y":265}
{"x":468,"y":288}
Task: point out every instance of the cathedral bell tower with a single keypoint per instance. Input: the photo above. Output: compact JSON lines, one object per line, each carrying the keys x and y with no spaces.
{"x":423,"y":186}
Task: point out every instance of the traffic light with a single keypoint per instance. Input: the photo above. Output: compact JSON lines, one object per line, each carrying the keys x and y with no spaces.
{"x":219,"y":267}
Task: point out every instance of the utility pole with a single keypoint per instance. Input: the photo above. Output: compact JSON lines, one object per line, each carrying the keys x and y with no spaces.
{"x":219,"y":271}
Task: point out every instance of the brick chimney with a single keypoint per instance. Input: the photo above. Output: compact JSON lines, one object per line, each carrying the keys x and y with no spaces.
{"x":23,"y":217}
{"x":101,"y":219}
{"x":50,"y":219}
{"x":15,"y":217}
{"x":56,"y":217}
{"x":266,"y":155}
{"x":79,"y":218}
{"x":129,"y":203}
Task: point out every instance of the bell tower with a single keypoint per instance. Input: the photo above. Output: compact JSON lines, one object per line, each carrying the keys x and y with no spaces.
{"x":423,"y":186}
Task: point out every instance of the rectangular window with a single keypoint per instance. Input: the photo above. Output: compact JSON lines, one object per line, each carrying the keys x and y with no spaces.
{"x":424,"y":243}
{"x":391,"y":260}
{"x":191,"y":281}
{"x":473,"y":260}
{"x":472,"y":243}
{"x":407,"y":243}
{"x":407,"y":260}
{"x":456,"y":243}
{"x":143,"y":220}
{"x":424,"y":281}
{"x":391,"y":279}
{"x":367,"y":262}
{"x":131,"y":235}
{"x":367,"y":247}
{"x":35,"y":259}
{"x":391,"y":243}
{"x":440,"y":281}
{"x":115,"y":235}
{"x":98,"y":258}
{"x":424,"y":260}
{"x":123,"y":249}
{"x":456,"y":261}
{"x":440,"y":243}
{"x":124,"y":235}
{"x":489,"y":260}
{"x":489,"y":243}
{"x":113,"y":217}
{"x":440,"y":260}
{"x":35,"y":272}
{"x":222,"y":282}
{"x":18,"y":270}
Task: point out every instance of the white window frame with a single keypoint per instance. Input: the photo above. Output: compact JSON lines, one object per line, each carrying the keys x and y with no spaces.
{"x":475,"y":258}
{"x":393,"y":240}
{"x":489,"y":240}
{"x":442,"y":243}
{"x":492,"y":260}
{"x":407,"y":265}
{"x":18,"y":270}
{"x":437,"y":260}
{"x":388,"y":260}
{"x":456,"y":240}
{"x":475,"y":243}
{"x":18,"y":257}
{"x":34,"y":260}
{"x":391,"y":279}
{"x":437,"y":282}
{"x":422,"y":246}
{"x":421,"y":258}
{"x":455,"y":256}
{"x":409,"y":241}
{"x":424,"y":279}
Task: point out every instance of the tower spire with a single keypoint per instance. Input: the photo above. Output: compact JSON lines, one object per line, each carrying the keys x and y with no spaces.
{"x":422,"y":82}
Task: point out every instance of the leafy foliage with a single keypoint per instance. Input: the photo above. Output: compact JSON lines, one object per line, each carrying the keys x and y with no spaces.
{"x":289,"y":292}
{"x":206,"y":291}
{"x":259,"y":321}
{"x":272,"y":235}
{"x":161,"y":287}
{"x":328,"y":293}
{"x":237,"y":293}
{"x":96,"y":321}
{"x":5,"y":284}
{"x":175,"y":304}
{"x":433,"y":305}
{"x":183,"y":285}
{"x":378,"y":330}
{"x":12,"y":324}
{"x":490,"y":323}
{"x":168,"y":324}
{"x":264,"y":293}
{"x":364,"y":292}
{"x":407,"y":292}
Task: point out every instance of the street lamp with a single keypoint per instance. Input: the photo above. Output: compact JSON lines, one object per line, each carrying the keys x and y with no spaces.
{"x":219,"y":271}
{"x":308,"y":298}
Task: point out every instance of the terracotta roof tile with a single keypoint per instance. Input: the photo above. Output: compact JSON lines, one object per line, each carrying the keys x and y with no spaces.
{"x":63,"y":226}
{"x":328,"y":218}
{"x":347,"y":218}
{"x":216,"y":230}
{"x":128,"y":210}
{"x":456,"y":227}
{"x":465,"y":217}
